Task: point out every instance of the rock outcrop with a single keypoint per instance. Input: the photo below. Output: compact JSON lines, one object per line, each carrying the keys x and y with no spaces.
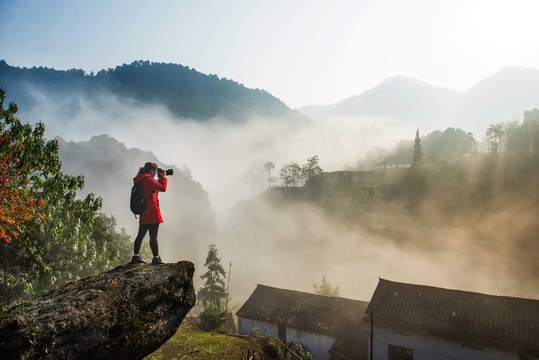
{"x":126,"y":313}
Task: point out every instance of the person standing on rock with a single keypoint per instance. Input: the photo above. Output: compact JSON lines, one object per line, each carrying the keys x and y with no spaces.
{"x":150,"y":219}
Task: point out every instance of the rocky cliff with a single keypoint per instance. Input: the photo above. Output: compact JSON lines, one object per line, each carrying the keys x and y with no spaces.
{"x":126,"y":313}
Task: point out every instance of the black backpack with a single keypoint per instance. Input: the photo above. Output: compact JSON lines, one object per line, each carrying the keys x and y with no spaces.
{"x":138,"y":202}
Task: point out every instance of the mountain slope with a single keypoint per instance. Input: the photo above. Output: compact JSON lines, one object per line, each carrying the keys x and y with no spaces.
{"x":399,"y":97}
{"x":503,"y":96}
{"x":185,"y":92}
{"x":500,"y":97}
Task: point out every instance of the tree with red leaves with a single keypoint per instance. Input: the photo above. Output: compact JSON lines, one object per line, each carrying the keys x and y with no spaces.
{"x":48,"y":236}
{"x":18,"y":205}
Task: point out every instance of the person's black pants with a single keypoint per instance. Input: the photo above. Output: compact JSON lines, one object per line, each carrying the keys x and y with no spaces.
{"x":142,"y":230}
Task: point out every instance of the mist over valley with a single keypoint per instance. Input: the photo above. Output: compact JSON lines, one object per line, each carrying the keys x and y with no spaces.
{"x":353,"y":225}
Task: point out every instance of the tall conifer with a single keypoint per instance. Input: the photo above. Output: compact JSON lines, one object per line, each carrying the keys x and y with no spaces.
{"x":213,"y":293}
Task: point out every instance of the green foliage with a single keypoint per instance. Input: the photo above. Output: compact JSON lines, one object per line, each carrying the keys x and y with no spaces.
{"x":302,"y":352}
{"x":192,"y":343}
{"x":291,"y":174}
{"x":23,"y":165}
{"x":415,"y":184}
{"x":213,"y":293}
{"x":325,"y":288}
{"x":417,"y":159}
{"x":294,"y":175}
{"x":212,"y":320}
{"x":114,"y":248}
{"x":311,"y":169}
{"x":451,"y":144}
{"x":494,"y":135}
{"x":69,"y":238}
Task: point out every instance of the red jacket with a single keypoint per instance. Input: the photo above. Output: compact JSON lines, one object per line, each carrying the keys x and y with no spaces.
{"x":152,"y":213}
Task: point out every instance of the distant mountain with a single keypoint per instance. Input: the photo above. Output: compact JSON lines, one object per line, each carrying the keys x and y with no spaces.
{"x":397,"y":97}
{"x":185,"y":92}
{"x":500,"y":98}
{"x":109,"y":166}
{"x":503,"y":96}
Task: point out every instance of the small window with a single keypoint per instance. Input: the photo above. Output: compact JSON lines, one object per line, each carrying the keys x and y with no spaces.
{"x":281,"y":332}
{"x":399,"y":353}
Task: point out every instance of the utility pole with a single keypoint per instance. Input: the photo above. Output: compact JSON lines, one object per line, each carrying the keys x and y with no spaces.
{"x":227,"y":286}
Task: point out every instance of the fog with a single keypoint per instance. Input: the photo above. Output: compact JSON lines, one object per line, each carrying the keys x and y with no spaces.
{"x":290,"y":246}
{"x":294,"y":247}
{"x":227,"y":158}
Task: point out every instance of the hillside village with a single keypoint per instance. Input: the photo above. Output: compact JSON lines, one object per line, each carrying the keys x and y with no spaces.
{"x":401,"y":321}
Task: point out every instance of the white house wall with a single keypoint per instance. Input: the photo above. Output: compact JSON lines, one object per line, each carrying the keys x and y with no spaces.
{"x":318,"y":345}
{"x":256,"y":327}
{"x":431,"y":348}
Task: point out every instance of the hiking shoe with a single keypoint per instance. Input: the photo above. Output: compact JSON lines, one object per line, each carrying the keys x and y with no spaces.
{"x":136,"y":259}
{"x":157,"y":261}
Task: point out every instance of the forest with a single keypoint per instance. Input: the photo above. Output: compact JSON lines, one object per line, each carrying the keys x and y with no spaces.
{"x":185,"y":92}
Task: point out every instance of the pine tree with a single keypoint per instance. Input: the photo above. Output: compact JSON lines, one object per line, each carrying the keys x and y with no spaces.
{"x":416,"y":180}
{"x":417,"y":159}
{"x":213,"y":293}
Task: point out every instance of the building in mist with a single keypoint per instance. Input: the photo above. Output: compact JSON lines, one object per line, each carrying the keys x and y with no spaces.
{"x":423,"y":322}
{"x":329,"y":327}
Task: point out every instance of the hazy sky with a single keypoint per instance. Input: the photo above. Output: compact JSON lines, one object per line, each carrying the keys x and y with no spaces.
{"x":302,"y":51}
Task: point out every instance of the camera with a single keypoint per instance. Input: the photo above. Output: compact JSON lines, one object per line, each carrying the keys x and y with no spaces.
{"x":167,"y":171}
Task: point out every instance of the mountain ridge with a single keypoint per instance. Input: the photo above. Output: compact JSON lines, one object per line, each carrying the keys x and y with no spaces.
{"x":398,"y":101}
{"x":498,"y":98}
{"x":186,"y":93}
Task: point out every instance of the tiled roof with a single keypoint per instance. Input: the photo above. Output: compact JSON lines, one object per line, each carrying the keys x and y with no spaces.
{"x":332,"y":316}
{"x":502,"y":318}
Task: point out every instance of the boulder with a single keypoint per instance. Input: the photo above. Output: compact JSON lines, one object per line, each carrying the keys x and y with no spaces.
{"x":126,"y":313}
